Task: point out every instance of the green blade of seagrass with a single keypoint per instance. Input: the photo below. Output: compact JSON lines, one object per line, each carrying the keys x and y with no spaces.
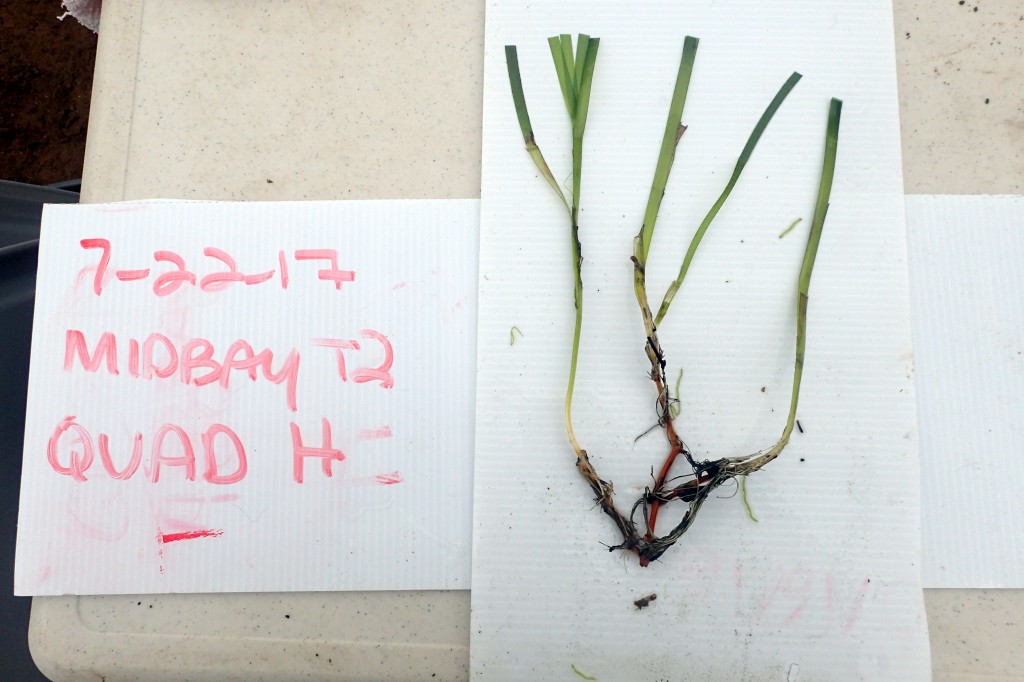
{"x":565,"y":81}
{"x":673,"y":130}
{"x":811,"y":252}
{"x":748,"y":149}
{"x":519,"y":100}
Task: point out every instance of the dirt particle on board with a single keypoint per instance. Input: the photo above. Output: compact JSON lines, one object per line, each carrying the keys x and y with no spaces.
{"x":644,"y":602}
{"x":986,"y":100}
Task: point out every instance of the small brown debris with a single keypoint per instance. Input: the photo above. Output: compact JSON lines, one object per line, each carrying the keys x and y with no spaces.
{"x":644,"y":602}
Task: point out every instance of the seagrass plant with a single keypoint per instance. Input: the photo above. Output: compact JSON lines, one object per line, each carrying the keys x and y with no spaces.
{"x":575,"y":71}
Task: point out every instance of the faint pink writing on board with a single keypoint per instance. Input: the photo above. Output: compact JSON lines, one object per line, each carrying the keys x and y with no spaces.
{"x":157,"y":357}
{"x":81,"y":448}
{"x":210,"y":452}
{"x":194,"y":362}
{"x":71,"y":451}
{"x":171,"y":279}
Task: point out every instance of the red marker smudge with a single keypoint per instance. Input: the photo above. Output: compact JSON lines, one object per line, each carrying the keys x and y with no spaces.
{"x":132,"y":275}
{"x":374,"y":434}
{"x":190,"y":535}
{"x":398,"y":286}
{"x":389,"y":479}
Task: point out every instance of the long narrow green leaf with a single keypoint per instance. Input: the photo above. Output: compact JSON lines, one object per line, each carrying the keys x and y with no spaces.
{"x":824,"y":191}
{"x":748,"y":149}
{"x":565,"y":40}
{"x":673,"y":130}
{"x":564,"y":80}
{"x":579,"y":123}
{"x":828,"y":168}
{"x":519,"y":100}
{"x":582,"y":47}
{"x":586,"y":56}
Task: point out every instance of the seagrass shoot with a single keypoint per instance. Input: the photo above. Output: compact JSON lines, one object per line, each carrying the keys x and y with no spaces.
{"x":683,"y":480}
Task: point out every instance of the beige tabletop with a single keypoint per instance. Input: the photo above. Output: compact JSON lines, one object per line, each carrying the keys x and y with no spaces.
{"x":346,"y":100}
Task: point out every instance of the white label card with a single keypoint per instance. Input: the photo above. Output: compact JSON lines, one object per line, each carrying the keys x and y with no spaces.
{"x":232,"y":397}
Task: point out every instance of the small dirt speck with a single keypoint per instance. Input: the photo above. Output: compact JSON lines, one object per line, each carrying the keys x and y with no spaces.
{"x":986,"y":100}
{"x":644,"y":602}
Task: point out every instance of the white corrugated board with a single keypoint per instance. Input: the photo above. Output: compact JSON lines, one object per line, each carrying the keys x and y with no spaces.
{"x":297,"y":378}
{"x":827,"y":584}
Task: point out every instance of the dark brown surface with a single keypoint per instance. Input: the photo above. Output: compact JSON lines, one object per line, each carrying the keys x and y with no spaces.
{"x":45,"y":84}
